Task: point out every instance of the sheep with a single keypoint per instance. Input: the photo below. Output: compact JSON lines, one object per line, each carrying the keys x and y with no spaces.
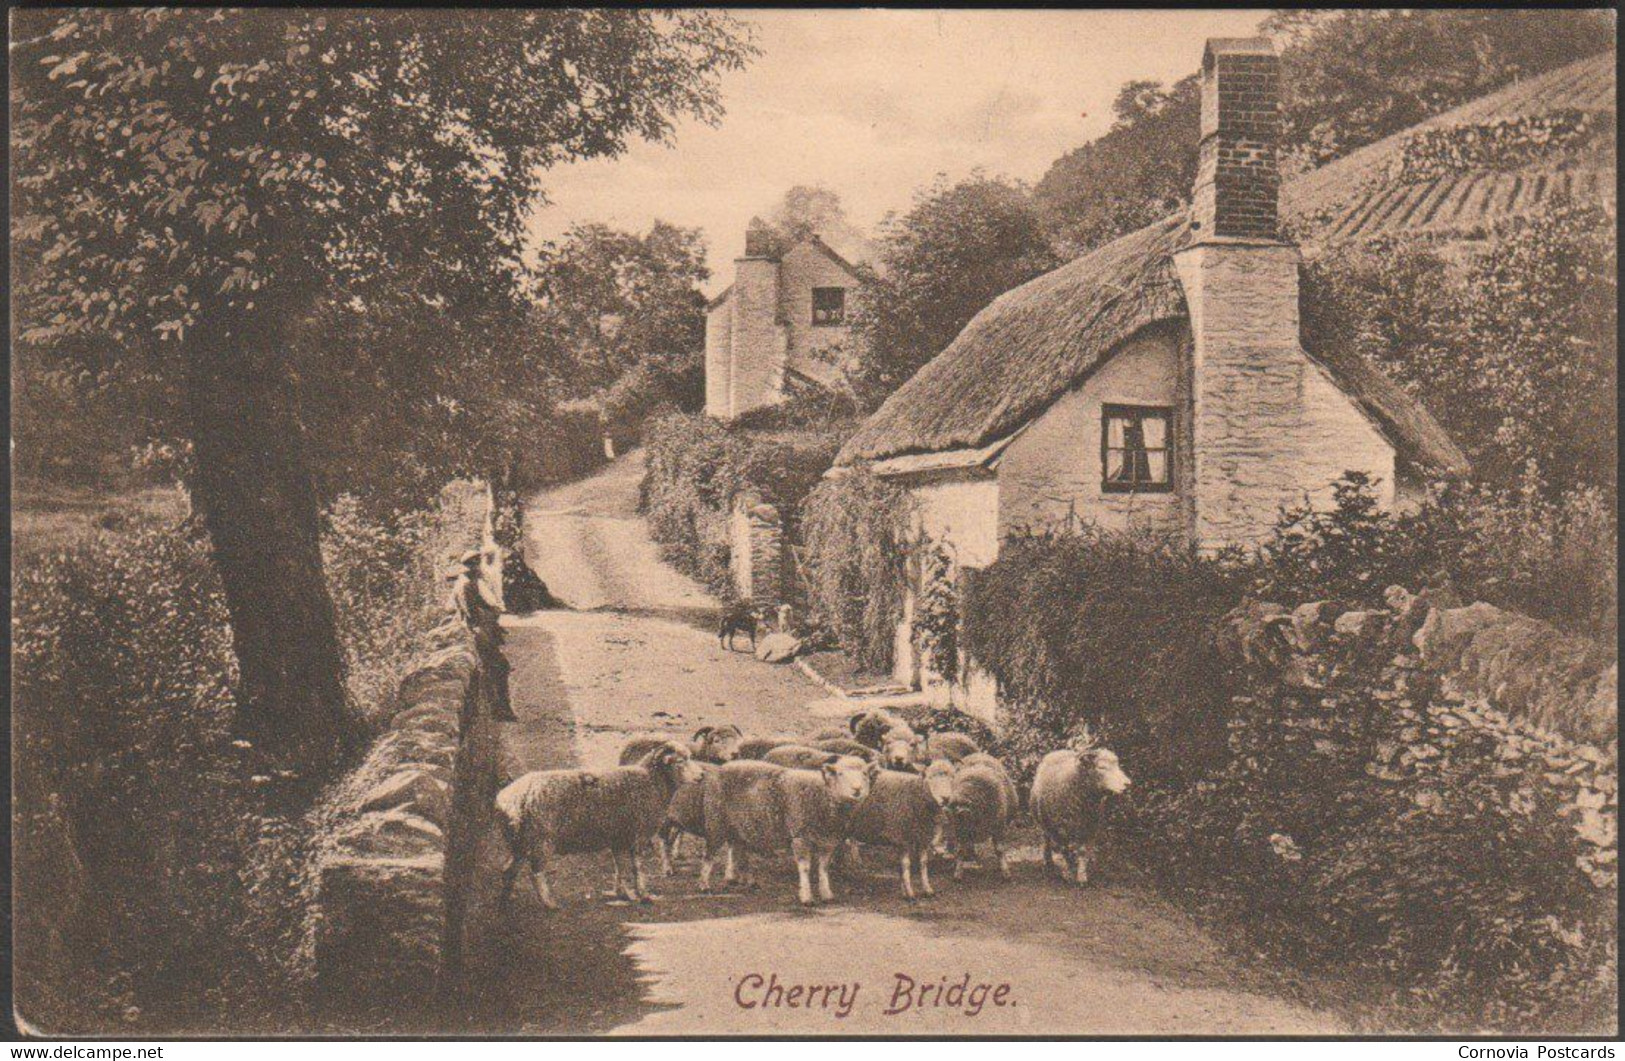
{"x":984,"y":800}
{"x":760,"y":807}
{"x":945,"y":744}
{"x":710,"y":744}
{"x":550,"y":812}
{"x":1069,"y":797}
{"x":799,"y":757}
{"x":684,"y":816}
{"x":756,"y":747}
{"x":844,"y":746}
{"x":902,"y":812}
{"x":893,"y":738}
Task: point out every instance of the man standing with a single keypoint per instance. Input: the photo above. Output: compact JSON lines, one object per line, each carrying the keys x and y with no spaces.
{"x":484,"y":618}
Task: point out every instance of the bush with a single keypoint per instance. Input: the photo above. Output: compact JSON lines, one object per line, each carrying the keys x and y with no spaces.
{"x":856,"y":529}
{"x":1109,"y":630}
{"x":1551,"y":558}
{"x":153,"y":881}
{"x":696,"y":466}
{"x":1465,"y":859}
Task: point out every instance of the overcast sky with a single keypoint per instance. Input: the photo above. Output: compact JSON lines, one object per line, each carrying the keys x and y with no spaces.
{"x":874,"y":104}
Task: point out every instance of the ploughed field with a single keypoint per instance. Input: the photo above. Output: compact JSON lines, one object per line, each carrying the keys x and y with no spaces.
{"x":985,"y":956}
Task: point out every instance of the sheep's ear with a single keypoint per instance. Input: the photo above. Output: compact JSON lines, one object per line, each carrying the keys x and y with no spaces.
{"x":855,"y":721}
{"x":700,"y":733}
{"x":872,"y":769}
{"x":828,"y":769}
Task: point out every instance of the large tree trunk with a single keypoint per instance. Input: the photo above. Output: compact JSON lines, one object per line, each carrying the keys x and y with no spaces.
{"x":253,"y":489}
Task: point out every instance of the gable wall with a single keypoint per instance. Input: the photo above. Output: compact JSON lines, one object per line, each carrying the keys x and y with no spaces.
{"x":801,"y":270}
{"x":719,"y":359}
{"x":1057,"y":459}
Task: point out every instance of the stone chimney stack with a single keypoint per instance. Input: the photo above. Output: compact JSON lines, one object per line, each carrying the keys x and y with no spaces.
{"x":1238,"y":175}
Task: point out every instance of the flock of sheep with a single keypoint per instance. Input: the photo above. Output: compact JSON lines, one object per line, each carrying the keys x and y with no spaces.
{"x":876,"y":782}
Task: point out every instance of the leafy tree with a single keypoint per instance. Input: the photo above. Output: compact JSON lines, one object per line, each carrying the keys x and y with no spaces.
{"x":958,"y":248}
{"x":192,"y":183}
{"x":617,"y":301}
{"x":1354,"y":77}
{"x":1515,"y":350}
{"x":1138,"y":172}
{"x":1349,"y":78}
{"x":806,"y":210}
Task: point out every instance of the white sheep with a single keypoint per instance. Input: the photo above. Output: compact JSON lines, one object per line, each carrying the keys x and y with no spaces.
{"x":902,"y":812}
{"x":1068,"y":801}
{"x":563,"y":812}
{"x":760,"y":808}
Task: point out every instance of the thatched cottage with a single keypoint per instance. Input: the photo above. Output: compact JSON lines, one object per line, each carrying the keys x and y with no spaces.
{"x":777,"y":324}
{"x":1159,"y":382}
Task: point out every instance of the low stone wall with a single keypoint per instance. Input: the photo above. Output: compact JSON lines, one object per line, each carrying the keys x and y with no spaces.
{"x":395,"y":850}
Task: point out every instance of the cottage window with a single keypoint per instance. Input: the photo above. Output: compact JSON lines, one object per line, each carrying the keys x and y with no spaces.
{"x":1136,"y":448}
{"x":829,"y":305}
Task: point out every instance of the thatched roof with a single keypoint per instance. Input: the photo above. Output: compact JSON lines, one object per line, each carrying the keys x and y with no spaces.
{"x":1036,"y":342}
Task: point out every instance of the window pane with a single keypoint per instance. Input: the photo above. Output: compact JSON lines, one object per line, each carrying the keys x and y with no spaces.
{"x":1114,"y":432}
{"x":1157,"y":465}
{"x":1156,"y":432}
{"x":1115,"y":467}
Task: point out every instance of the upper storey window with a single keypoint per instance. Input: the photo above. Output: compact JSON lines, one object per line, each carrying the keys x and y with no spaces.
{"x":829,"y":305}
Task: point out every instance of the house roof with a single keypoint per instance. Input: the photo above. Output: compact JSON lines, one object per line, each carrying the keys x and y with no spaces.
{"x":813,"y":240}
{"x":1036,"y":342}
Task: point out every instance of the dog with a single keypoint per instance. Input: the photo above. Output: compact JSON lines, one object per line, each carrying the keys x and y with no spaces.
{"x":738,"y":617}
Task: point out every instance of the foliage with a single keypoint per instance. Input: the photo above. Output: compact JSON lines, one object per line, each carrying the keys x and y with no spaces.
{"x":1515,"y":352}
{"x":193,"y":185}
{"x":1468,"y":859}
{"x":141,"y":819}
{"x":809,"y":210}
{"x":694,"y":469}
{"x":937,"y":612}
{"x":613,"y":302}
{"x":954,"y":251}
{"x":1105,"y":629}
{"x":1354,"y":77}
{"x":1553,"y":559}
{"x":856,"y":531}
{"x":1140,"y":171}
{"x":1349,"y":78}
{"x":1465,"y":859}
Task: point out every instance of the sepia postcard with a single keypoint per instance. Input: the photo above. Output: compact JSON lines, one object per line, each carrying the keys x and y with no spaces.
{"x":734,"y":523}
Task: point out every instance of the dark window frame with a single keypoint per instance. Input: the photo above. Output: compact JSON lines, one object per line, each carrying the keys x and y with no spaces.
{"x":1112,"y":410}
{"x":839,"y":315}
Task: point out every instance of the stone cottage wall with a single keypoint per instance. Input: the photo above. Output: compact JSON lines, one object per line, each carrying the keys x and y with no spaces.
{"x":394,"y":854}
{"x":1053,"y":473}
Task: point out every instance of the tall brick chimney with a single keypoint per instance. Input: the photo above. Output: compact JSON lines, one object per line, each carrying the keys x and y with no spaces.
{"x":1238,"y":175}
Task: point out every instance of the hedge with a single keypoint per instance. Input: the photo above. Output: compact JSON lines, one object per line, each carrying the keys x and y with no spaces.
{"x":153,"y":882}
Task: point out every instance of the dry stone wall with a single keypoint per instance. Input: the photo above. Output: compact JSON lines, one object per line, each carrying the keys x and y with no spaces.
{"x":394,"y":859}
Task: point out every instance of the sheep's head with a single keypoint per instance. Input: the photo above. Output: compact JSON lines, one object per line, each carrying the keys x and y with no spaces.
{"x":673,"y":760}
{"x":899,"y":747}
{"x":1107,"y":771}
{"x":848,"y":779}
{"x":717,"y":744}
{"x":939,"y":781}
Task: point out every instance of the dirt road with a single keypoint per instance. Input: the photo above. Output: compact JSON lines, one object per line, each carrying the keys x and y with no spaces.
{"x":1030,"y":955}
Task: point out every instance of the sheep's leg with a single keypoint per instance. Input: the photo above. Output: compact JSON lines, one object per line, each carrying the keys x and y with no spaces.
{"x":729,"y":874}
{"x":639,"y":891}
{"x":923,"y":857}
{"x":939,"y":841}
{"x":959,"y":859}
{"x":510,"y":875}
{"x":664,"y":843}
{"x":1070,"y":857}
{"x":1084,"y":854}
{"x":908,"y":883}
{"x":1003,"y":858}
{"x":1049,"y":854}
{"x":706,"y":861}
{"x":803,"y":871}
{"x":538,"y":878}
{"x":825,"y":892}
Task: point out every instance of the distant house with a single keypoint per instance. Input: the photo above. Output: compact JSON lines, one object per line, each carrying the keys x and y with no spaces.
{"x":1159,"y":382}
{"x":778,"y":324}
